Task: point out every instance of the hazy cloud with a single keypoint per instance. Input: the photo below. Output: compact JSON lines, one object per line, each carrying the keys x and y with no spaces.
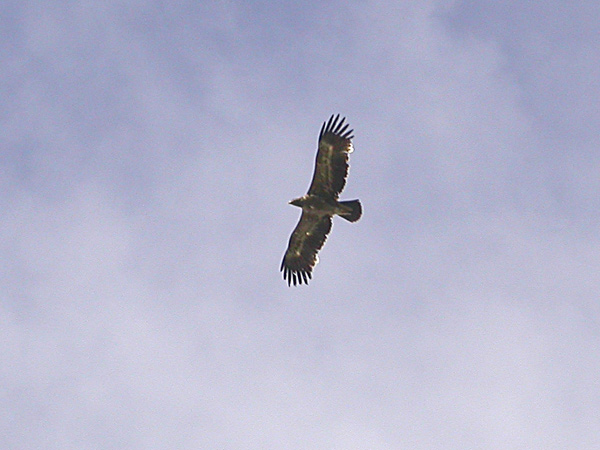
{"x":148,"y":153}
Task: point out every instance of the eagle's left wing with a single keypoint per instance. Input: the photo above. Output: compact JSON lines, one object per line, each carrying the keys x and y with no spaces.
{"x":305,"y":242}
{"x":331,"y":166}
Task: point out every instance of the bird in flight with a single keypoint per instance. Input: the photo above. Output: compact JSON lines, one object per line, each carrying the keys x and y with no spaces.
{"x":321,"y":202}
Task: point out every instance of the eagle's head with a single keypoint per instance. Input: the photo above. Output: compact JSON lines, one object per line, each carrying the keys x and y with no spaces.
{"x":297,"y":202}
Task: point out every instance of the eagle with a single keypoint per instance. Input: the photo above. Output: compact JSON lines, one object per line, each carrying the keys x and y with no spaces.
{"x":321,"y":203}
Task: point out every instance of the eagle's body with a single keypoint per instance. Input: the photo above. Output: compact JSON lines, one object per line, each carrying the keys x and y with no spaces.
{"x":321,"y":203}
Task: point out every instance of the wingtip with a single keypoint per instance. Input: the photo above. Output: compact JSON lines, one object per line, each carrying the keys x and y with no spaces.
{"x":295,"y":277}
{"x":336,"y":126}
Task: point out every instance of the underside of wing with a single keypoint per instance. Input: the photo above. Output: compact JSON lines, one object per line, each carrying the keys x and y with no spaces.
{"x":331,"y":167}
{"x":307,"y":239}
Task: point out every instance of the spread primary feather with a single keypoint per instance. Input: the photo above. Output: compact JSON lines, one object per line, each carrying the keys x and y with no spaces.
{"x":321,"y":202}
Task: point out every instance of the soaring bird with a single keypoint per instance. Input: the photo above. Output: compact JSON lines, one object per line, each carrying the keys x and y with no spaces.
{"x":321,"y":202}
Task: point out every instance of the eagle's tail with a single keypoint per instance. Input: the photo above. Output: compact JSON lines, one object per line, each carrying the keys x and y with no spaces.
{"x":353,"y":208}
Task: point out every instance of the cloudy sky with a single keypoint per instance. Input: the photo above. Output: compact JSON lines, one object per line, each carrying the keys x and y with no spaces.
{"x":147,"y":154}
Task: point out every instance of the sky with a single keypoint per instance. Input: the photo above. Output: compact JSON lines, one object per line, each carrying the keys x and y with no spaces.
{"x":147,"y":154}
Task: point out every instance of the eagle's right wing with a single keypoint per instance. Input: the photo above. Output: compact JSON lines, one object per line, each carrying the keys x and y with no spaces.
{"x":305,"y":242}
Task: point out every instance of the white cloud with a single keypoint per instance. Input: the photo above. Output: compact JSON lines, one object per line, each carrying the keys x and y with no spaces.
{"x":150,"y":157}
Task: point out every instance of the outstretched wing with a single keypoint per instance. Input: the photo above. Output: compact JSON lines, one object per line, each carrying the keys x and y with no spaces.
{"x":331,"y":167}
{"x":301,"y":255}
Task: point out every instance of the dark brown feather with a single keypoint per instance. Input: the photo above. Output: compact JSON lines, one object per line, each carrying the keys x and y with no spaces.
{"x":307,"y":239}
{"x":331,"y":166}
{"x":321,"y":203}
